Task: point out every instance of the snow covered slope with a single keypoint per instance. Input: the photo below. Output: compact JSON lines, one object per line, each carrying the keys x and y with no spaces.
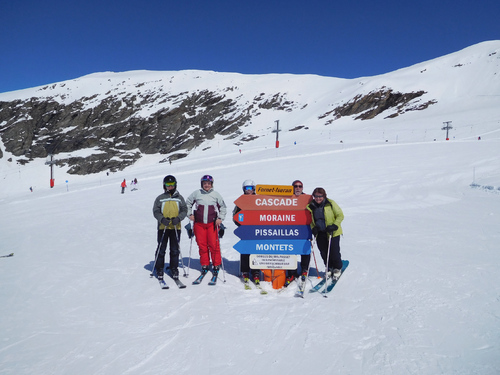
{"x":421,"y":294}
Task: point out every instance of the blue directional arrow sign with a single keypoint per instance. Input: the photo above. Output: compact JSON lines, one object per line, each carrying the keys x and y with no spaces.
{"x":273,"y":232}
{"x":297,"y":247}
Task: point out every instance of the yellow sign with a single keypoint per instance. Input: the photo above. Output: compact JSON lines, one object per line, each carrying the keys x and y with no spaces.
{"x":274,"y":189}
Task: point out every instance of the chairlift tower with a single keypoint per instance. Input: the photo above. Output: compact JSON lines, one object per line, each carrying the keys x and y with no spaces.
{"x":447,"y":127}
{"x":51,"y":162}
{"x":277,"y":130}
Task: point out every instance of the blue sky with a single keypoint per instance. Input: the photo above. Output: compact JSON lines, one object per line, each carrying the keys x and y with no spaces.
{"x":44,"y":42}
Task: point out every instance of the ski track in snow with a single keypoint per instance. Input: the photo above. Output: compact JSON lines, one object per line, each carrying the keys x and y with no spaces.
{"x":420,"y":296}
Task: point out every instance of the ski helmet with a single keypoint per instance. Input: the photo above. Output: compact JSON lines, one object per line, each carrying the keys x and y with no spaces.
{"x":248,"y":184}
{"x":169,"y":181}
{"x":207,"y":177}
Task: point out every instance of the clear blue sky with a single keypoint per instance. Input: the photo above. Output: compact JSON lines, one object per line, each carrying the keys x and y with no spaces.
{"x":49,"y":41}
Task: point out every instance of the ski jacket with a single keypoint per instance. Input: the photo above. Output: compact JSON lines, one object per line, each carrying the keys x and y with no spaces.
{"x":124,"y":184}
{"x":171,"y":206}
{"x":208,"y":206}
{"x":332,"y":212}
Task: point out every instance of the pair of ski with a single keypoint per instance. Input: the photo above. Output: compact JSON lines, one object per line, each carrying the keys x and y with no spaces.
{"x":327,"y":283}
{"x":213,"y":280}
{"x":164,"y":285}
{"x":246,"y":283}
{"x":7,"y":256}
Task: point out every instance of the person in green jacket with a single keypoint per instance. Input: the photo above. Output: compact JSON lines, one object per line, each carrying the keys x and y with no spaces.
{"x":326,"y":219}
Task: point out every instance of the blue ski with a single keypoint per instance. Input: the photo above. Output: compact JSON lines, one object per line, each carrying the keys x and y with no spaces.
{"x":345,"y":264}
{"x":318,"y":286}
{"x":199,"y":279}
{"x":213,"y":280}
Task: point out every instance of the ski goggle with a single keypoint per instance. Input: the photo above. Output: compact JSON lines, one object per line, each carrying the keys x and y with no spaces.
{"x":249,"y":187}
{"x":207,"y":178}
{"x":169,"y":183}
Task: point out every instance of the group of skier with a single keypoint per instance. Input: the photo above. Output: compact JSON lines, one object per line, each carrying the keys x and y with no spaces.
{"x":206,"y":209}
{"x":170,"y":209}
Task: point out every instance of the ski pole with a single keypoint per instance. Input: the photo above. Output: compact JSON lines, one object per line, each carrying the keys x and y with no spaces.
{"x":189,"y":261}
{"x":178,"y":237}
{"x":189,"y":228}
{"x":157,"y":252}
{"x":221,"y":259}
{"x":327,"y":261}
{"x":314,"y":256}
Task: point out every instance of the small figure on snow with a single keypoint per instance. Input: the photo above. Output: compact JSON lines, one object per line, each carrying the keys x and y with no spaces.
{"x":134,"y":184}
{"x":124,"y":185}
{"x":326,"y":219}
{"x":169,"y":209}
{"x":209,"y":212}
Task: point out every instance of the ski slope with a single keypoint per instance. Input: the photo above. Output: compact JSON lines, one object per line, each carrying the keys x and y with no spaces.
{"x":420,"y":295}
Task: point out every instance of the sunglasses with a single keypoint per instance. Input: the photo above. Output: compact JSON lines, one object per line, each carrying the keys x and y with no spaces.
{"x":169,"y":183}
{"x":318,"y":196}
{"x":297,"y":186}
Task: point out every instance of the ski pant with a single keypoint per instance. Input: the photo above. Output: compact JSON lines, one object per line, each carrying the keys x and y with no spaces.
{"x":207,"y":239}
{"x":172,"y":235}
{"x":335,"y":260}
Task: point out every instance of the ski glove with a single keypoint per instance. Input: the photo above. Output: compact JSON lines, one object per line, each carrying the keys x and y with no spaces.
{"x":189,"y":230}
{"x":331,"y":228}
{"x":222,"y":229}
{"x":315,"y":231}
{"x":165,"y":221}
{"x":176,"y":220}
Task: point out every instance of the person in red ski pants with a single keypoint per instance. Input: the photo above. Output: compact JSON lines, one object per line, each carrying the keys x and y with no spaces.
{"x":209,"y":212}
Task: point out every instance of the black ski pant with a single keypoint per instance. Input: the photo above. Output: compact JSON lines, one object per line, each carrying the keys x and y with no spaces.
{"x":335,"y":260}
{"x":174,"y":236}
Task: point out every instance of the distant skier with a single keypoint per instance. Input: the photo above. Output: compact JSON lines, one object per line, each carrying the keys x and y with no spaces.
{"x":134,"y":184}
{"x":326,"y":219}
{"x":124,"y":185}
{"x":209,"y":212}
{"x":169,"y":209}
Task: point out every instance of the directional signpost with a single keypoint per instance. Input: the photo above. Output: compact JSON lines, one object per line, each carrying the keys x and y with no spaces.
{"x":274,"y":227}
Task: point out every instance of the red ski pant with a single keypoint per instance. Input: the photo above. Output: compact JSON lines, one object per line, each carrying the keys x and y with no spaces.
{"x":207,"y":239}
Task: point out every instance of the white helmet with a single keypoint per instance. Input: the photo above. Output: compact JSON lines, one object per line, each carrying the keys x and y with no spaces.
{"x":248,"y":183}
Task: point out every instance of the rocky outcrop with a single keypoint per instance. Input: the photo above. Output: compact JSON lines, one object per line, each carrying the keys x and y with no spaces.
{"x":114,"y":130}
{"x":376,"y":102}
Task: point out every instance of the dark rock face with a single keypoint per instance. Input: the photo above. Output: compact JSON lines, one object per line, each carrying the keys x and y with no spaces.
{"x":376,"y":102}
{"x":114,"y":132}
{"x":36,"y":128}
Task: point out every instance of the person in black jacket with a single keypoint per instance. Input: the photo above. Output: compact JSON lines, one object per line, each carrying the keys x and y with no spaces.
{"x":169,"y":209}
{"x":248,"y":189}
